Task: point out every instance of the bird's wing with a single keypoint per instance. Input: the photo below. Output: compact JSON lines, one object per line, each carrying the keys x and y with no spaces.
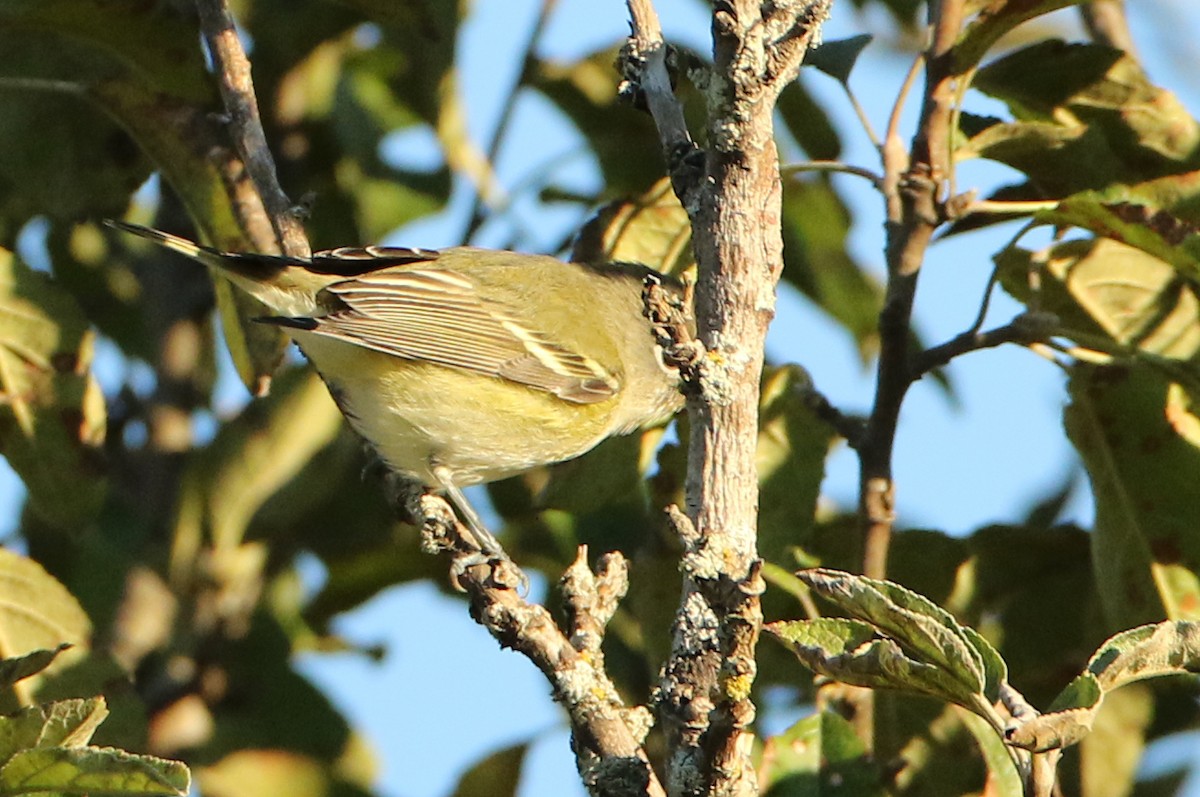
{"x":438,"y":316}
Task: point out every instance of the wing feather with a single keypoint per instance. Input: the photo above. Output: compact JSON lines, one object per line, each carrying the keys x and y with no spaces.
{"x":438,"y":316}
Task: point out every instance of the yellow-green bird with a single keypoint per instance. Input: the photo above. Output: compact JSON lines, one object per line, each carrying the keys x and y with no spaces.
{"x":464,"y":365}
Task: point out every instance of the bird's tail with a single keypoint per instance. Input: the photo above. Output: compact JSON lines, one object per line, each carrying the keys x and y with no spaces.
{"x":173,"y":242}
{"x":282,"y":283}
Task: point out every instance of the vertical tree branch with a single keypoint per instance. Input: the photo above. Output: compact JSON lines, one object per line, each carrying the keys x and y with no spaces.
{"x":914,"y":206}
{"x":735,"y":207}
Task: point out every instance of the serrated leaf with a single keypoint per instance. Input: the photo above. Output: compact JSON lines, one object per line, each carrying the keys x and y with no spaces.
{"x":37,"y":612}
{"x":15,"y":668}
{"x":819,"y":755}
{"x":917,"y":623}
{"x":837,"y":58}
{"x":853,"y":652}
{"x":91,"y":771}
{"x":52,"y":414}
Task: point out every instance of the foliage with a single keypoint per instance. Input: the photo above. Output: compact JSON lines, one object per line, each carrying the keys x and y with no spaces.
{"x":182,"y":543}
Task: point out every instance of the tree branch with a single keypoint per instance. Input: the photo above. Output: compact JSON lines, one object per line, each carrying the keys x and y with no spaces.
{"x":735,"y":210}
{"x":232,"y":69}
{"x":608,"y":735}
{"x":914,"y":203}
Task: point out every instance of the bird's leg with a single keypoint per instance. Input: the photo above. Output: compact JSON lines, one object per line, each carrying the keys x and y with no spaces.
{"x":483,"y":538}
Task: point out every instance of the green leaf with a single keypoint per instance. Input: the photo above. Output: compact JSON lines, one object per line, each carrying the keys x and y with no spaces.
{"x":918,"y":624}
{"x":1092,"y":119}
{"x":792,"y":447}
{"x":52,"y":415}
{"x":1004,"y":780}
{"x":274,"y":773}
{"x":1160,"y":217}
{"x":91,"y":771}
{"x":72,"y":723}
{"x":1169,"y":648}
{"x":1100,"y":287}
{"x":837,"y":58}
{"x":620,"y":137}
{"x":38,"y":612}
{"x":497,"y":775}
{"x":15,"y":668}
{"x":254,"y":456}
{"x":853,"y":652}
{"x":652,"y":229}
{"x":816,"y":226}
{"x":1109,"y":756}
{"x":995,"y":20}
{"x":1136,"y":433}
{"x":818,"y":756}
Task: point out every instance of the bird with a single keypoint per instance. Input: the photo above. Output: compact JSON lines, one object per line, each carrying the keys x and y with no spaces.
{"x":463,"y":365}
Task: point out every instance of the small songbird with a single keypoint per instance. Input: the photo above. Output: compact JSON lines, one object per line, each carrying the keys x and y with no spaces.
{"x":461,"y":366}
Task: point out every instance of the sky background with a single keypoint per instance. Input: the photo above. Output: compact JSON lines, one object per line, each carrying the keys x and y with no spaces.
{"x":985,"y":458}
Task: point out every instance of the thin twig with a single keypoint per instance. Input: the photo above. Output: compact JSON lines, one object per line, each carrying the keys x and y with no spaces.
{"x":832,"y":166}
{"x":232,"y":69}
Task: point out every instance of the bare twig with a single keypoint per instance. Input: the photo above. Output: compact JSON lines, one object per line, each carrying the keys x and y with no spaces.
{"x":232,"y":69}
{"x":608,"y":735}
{"x":833,"y":166}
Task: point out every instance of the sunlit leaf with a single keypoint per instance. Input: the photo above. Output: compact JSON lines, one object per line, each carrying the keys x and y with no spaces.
{"x":497,"y":775}
{"x":854,"y":652}
{"x":651,"y":229}
{"x":914,"y":621}
{"x":52,"y":416}
{"x":91,"y":770}
{"x":1091,"y":120}
{"x":1101,"y":287}
{"x":38,"y":612}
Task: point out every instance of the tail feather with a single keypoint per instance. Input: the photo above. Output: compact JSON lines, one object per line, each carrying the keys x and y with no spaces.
{"x":173,"y":242}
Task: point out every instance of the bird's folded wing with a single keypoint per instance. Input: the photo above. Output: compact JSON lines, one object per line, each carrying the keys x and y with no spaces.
{"x":439,"y":317}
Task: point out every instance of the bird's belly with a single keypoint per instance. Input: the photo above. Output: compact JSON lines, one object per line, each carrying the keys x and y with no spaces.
{"x":418,"y":416}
